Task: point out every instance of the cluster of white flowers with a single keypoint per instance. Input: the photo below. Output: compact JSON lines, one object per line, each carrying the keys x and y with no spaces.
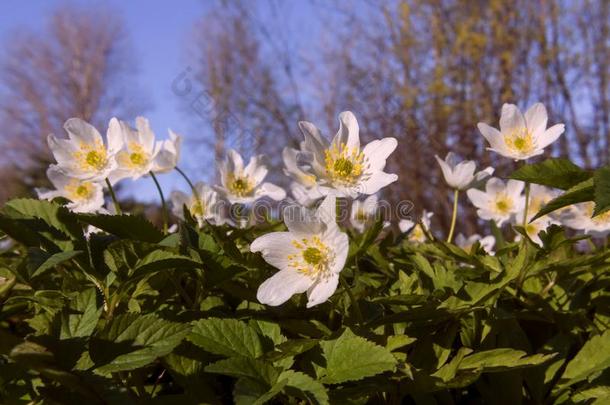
{"x":313,"y":251}
{"x":86,"y":165}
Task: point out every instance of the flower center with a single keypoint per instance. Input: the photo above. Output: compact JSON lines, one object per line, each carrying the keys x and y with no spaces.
{"x":417,"y":234}
{"x":91,"y":157}
{"x":503,"y":204}
{"x":137,"y":159}
{"x":198,"y":208}
{"x":344,"y":165}
{"x":520,"y":141}
{"x":76,"y":191}
{"x":314,"y":258}
{"x":240,"y":185}
{"x":361,"y":215}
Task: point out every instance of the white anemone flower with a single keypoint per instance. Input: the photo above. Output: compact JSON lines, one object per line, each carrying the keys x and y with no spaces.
{"x":169,"y":154}
{"x":580,"y":218}
{"x":363,"y":213}
{"x":466,"y":243}
{"x":521,"y":136}
{"x":416,"y":232}
{"x":310,"y":255}
{"x":139,"y":151}
{"x":84,"y":195}
{"x":203,"y":205}
{"x":500,"y":201}
{"x":84,"y":155}
{"x":538,"y":197}
{"x":342,"y":167}
{"x":461,"y":175}
{"x":304,"y":196}
{"x":244,"y":185}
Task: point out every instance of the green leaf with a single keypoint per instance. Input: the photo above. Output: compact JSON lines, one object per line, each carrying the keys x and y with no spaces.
{"x":163,"y":259}
{"x":82,"y":315}
{"x":131,"y":341}
{"x":602,"y":190}
{"x":501,"y":360}
{"x":557,"y":173}
{"x":52,"y":214}
{"x":258,"y":370}
{"x":226,"y":337}
{"x":299,"y":384}
{"x":124,"y":226}
{"x":594,"y":356}
{"x":352,"y":358}
{"x":54,"y":260}
{"x":581,"y":192}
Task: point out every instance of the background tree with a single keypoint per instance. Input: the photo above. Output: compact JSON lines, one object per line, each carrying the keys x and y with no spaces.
{"x":78,"y":66}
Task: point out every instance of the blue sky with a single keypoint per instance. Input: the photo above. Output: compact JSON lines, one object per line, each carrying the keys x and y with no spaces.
{"x":159,"y":32}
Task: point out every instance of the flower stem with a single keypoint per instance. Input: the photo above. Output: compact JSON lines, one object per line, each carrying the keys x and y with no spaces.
{"x":187,"y":179}
{"x":456,"y":194}
{"x":352,"y":299}
{"x":527,"y":201}
{"x":163,"y":204}
{"x":117,"y":207}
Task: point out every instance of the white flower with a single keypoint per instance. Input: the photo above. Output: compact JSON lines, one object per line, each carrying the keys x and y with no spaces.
{"x":84,"y":195}
{"x":461,"y":175}
{"x":341,"y":166}
{"x":417,"y":234}
{"x":139,"y":151}
{"x":539,"y":196}
{"x":203,"y":205}
{"x":500,"y":201}
{"x":169,"y":154}
{"x":310,"y":255}
{"x":580,"y":218}
{"x":304,"y":189}
{"x":521,"y":136}
{"x":487,"y":242}
{"x":83,"y":155}
{"x":243,"y":185}
{"x":363,"y":213}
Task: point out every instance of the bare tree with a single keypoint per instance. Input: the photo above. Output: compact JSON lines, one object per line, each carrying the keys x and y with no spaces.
{"x":78,"y":66}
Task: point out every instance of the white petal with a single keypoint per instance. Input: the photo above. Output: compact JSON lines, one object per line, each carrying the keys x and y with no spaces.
{"x":405,"y":225}
{"x":511,"y":119}
{"x":447,"y":171}
{"x":339,"y":242}
{"x":550,"y":135}
{"x":256,"y":169}
{"x":145,"y":133}
{"x":179,"y":200}
{"x":82,"y":131}
{"x":494,"y":186}
{"x":281,"y":286}
{"x":114,"y":136}
{"x":236,"y":163}
{"x":275,"y":248}
{"x":322,"y":290}
{"x":478,"y":198}
{"x":377,"y":152}
{"x":327,"y":211}
{"x":536,"y":118}
{"x":302,"y":221}
{"x":271,"y":190}
{"x":314,"y":143}
{"x":376,"y":182}
{"x":348,"y":131}
{"x":62,"y":149}
{"x":493,"y":136}
{"x":514,"y":187}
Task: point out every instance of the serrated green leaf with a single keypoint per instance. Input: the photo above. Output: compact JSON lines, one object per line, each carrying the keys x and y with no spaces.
{"x":81,"y":316}
{"x":258,"y":370}
{"x":594,"y":356}
{"x":163,"y":260}
{"x":581,"y":192}
{"x":131,"y":341}
{"x":226,"y":337}
{"x":602,"y":190}
{"x":124,"y":226}
{"x":54,"y":260}
{"x":301,"y":385}
{"x":501,"y":360}
{"x":352,"y":358}
{"x":52,"y":214}
{"x":555,"y":172}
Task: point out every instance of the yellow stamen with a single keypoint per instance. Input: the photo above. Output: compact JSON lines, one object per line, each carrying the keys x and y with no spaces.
{"x":520,"y":141}
{"x":314,"y":259}
{"x":344,"y":165}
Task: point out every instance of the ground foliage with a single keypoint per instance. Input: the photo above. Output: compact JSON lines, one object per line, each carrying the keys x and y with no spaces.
{"x":129,"y":315}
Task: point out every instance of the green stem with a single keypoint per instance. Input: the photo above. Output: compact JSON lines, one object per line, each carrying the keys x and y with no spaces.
{"x":163,"y":204}
{"x":456,"y":194}
{"x":187,"y":180}
{"x":527,"y":201}
{"x":117,"y":207}
{"x":352,"y":299}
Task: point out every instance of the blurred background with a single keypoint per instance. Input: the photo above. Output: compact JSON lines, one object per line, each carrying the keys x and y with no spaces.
{"x":242,"y":73}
